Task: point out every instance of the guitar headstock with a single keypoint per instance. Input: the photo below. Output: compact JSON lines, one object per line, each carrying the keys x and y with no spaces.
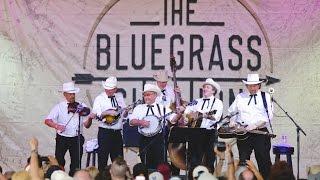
{"x":134,"y":104}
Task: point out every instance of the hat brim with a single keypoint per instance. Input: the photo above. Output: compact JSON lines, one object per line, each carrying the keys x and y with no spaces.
{"x":75,"y":90}
{"x":152,"y":90}
{"x":252,"y":82}
{"x":215,"y":85}
{"x":107,"y":87}
{"x":155,"y":77}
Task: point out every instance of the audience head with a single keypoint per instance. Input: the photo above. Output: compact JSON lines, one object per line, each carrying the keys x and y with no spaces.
{"x":281,"y":171}
{"x":93,"y":171}
{"x":164,"y":169}
{"x":82,"y":175}
{"x":60,"y":175}
{"x":156,"y":176}
{"x":247,"y":174}
{"x":207,"y":176}
{"x":119,"y":169}
{"x":140,"y":170}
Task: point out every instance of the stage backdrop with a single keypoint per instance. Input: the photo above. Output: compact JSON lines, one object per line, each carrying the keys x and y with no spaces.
{"x":45,"y":43}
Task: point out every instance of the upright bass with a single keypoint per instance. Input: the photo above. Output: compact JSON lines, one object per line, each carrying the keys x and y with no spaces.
{"x":177,"y":151}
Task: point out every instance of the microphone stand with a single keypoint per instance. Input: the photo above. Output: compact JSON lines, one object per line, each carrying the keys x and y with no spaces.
{"x":298,"y":128}
{"x":79,"y":141}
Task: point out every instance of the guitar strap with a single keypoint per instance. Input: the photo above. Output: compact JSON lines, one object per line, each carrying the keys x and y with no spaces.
{"x":159,"y":110}
{"x":263,"y":95}
{"x":214,"y":100}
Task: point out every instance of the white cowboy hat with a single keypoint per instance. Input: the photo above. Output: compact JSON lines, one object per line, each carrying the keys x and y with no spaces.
{"x":69,"y":88}
{"x":212,"y":83}
{"x":110,"y":83}
{"x":161,"y":76}
{"x":252,"y":79}
{"x":152,"y":88}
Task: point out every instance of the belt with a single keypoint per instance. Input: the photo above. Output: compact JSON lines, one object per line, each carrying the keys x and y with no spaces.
{"x":110,"y":130}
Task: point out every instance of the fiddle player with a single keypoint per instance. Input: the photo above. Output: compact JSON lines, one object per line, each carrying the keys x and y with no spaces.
{"x":109,"y":135}
{"x":211,"y":109}
{"x":151,"y":147}
{"x":255,"y":111}
{"x":64,"y":118}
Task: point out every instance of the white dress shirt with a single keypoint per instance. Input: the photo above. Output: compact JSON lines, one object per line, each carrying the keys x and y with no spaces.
{"x":205,"y":106}
{"x":166,"y":97}
{"x":141,"y":111}
{"x":102,"y":103}
{"x":59,"y":114}
{"x":254,"y":112}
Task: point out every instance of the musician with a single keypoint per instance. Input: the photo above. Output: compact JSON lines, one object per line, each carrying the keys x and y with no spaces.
{"x":109,"y":135}
{"x":211,"y":108}
{"x":64,"y":118}
{"x":253,"y":114}
{"x":151,"y":148}
{"x":167,"y":96}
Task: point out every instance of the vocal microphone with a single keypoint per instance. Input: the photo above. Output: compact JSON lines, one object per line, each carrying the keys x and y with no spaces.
{"x":271,"y":92}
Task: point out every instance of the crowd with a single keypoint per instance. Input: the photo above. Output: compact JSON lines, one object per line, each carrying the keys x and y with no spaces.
{"x":38,"y":167}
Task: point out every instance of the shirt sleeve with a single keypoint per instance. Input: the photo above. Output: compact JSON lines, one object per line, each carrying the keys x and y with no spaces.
{"x":96,"y":109}
{"x":218,"y":114}
{"x":135,"y":113}
{"x":120,"y":100}
{"x":233,"y":108}
{"x":54,"y":113}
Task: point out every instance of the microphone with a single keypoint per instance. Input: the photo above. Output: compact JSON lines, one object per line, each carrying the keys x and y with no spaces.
{"x":271,"y":92}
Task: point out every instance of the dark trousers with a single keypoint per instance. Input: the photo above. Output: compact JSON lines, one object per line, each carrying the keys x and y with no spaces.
{"x":151,"y":150}
{"x":110,"y":143}
{"x":202,"y":151}
{"x":63,"y":144}
{"x":261,"y":145}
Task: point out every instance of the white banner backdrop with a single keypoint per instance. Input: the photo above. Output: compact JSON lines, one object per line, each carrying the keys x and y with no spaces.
{"x":45,"y":43}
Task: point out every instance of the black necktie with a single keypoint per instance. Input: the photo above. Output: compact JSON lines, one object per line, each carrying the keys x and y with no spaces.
{"x":254,"y":96}
{"x":149,"y":109}
{"x":163,"y":92}
{"x":204,"y":102}
{"x":164,"y":98}
{"x":114,"y":102}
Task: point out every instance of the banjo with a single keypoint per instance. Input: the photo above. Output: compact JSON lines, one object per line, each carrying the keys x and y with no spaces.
{"x":155,"y":125}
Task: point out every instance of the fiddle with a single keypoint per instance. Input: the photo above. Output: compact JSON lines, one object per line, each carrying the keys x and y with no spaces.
{"x":76,"y":107}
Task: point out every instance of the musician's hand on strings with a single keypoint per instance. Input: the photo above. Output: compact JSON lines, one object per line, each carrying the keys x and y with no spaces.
{"x":92,"y":116}
{"x":125,"y":112}
{"x":232,"y":123}
{"x":111,"y":112}
{"x":144,"y":123}
{"x":209,"y":116}
{"x":177,"y":89}
{"x":251,"y":127}
{"x":180,"y":109}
